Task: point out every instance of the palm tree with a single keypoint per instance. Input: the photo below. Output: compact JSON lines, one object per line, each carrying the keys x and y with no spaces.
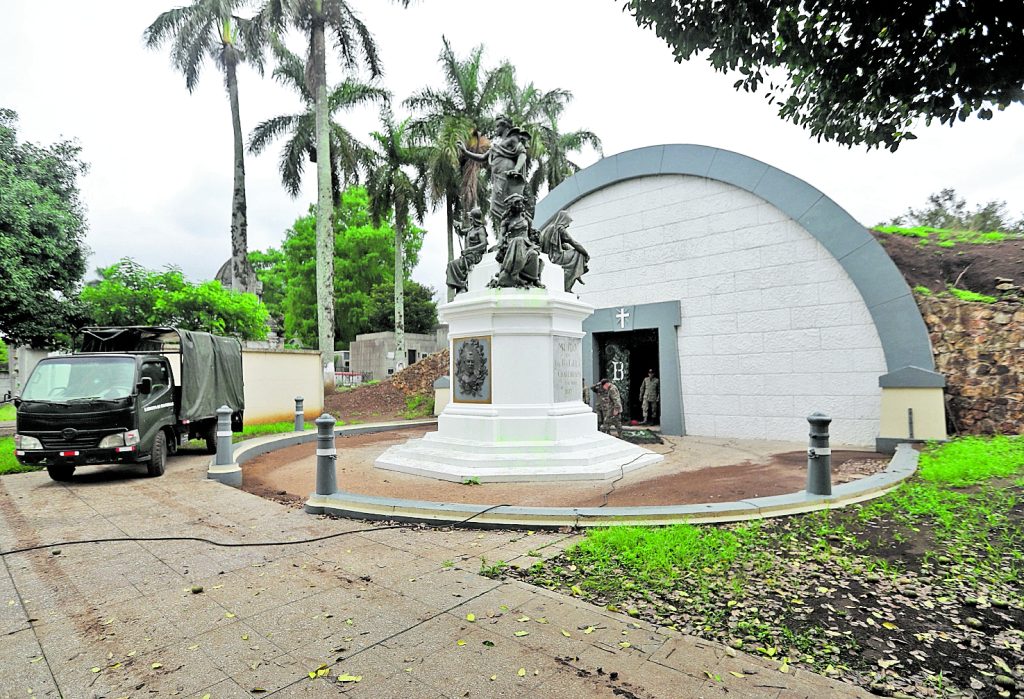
{"x":209,"y":28}
{"x":315,"y":18}
{"x":396,"y":184}
{"x":463,"y":110}
{"x":348,"y":155}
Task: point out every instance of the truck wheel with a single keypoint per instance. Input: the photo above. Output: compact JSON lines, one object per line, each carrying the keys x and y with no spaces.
{"x":211,"y":439}
{"x":158,"y":458}
{"x":60,"y":473}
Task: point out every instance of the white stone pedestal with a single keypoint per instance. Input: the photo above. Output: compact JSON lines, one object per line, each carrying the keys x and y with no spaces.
{"x":528,"y":422}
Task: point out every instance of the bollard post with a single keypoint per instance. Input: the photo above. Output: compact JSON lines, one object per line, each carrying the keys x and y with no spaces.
{"x":300,"y":416}
{"x":326,"y":456}
{"x":819,"y":456}
{"x":223,"y":467}
{"x":223,"y":435}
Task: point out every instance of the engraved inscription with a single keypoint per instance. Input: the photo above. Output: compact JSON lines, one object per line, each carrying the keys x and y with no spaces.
{"x":568,"y":369}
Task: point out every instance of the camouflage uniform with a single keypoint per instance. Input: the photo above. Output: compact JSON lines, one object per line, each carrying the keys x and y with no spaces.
{"x":650,"y":394}
{"x":610,"y":409}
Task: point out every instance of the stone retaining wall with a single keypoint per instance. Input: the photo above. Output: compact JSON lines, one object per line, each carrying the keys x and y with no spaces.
{"x":979,"y":347}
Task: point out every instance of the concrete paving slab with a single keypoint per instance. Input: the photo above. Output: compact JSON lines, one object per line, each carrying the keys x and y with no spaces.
{"x":407,"y":606}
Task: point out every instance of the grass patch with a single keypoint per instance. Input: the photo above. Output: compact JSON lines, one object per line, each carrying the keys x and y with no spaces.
{"x":922,"y":574}
{"x":923,"y":290}
{"x":8,"y":463}
{"x":7,"y":412}
{"x":945,"y":237}
{"x":418,"y":406}
{"x":966,"y":295}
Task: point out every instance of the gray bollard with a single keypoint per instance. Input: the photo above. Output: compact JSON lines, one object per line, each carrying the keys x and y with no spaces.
{"x":224,"y":455}
{"x":326,"y":456}
{"x":819,"y":456}
{"x":300,"y":416}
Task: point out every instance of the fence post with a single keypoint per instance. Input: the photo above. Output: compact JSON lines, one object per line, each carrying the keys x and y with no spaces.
{"x":326,"y":456}
{"x":223,"y":467}
{"x":300,"y":415}
{"x":819,"y":456}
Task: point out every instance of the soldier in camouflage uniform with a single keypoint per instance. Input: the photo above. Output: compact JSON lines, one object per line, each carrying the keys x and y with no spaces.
{"x":650,"y":395}
{"x":609,"y":407}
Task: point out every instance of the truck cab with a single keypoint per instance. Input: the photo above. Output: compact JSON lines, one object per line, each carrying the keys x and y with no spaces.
{"x":125,"y":406}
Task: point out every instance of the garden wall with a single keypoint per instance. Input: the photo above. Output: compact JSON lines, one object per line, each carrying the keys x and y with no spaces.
{"x":979,"y":347}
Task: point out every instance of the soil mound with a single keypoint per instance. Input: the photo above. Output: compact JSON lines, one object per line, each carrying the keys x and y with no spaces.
{"x":973,"y":267}
{"x":404,"y":395}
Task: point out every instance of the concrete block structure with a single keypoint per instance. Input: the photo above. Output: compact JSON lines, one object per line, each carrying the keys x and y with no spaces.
{"x":756,"y":298}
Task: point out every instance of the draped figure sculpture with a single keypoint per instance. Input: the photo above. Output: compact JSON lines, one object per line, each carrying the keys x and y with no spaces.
{"x":474,"y":247}
{"x":563,"y":250}
{"x":508,"y":163}
{"x":518,"y":252}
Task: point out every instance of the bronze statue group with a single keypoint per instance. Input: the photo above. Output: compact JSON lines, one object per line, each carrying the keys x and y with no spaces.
{"x":519,"y":245}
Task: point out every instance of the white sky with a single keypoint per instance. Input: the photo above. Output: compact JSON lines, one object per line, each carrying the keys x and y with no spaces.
{"x":159,"y":188}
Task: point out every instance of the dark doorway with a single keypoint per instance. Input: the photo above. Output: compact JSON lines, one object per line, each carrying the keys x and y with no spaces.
{"x":624,"y":358}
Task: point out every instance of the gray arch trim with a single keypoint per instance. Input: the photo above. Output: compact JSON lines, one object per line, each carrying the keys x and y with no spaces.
{"x":900,"y":327}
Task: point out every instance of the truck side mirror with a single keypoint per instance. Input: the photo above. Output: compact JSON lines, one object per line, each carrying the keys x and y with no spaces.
{"x":146,"y":385}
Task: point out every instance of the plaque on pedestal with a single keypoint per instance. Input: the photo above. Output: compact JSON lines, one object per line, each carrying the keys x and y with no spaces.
{"x":471,"y":367}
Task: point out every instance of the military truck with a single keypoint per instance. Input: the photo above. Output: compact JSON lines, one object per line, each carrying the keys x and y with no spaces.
{"x":127,"y":395}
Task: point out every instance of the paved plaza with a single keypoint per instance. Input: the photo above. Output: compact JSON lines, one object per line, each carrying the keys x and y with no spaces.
{"x":389,"y":606}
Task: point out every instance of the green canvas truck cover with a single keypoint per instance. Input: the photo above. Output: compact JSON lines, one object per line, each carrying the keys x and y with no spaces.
{"x":211,"y":366}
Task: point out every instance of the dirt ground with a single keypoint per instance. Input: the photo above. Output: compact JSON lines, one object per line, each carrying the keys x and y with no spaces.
{"x":694,"y":471}
{"x":936,"y":267}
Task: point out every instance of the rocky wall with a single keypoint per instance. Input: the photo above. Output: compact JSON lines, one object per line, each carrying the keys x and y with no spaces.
{"x":979,"y":348}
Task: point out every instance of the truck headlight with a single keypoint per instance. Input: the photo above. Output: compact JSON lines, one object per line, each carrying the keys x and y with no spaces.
{"x":112,"y":440}
{"x":120,"y":439}
{"x":23,"y":441}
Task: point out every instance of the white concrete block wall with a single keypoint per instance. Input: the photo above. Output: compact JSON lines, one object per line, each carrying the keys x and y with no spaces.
{"x":772,"y":329}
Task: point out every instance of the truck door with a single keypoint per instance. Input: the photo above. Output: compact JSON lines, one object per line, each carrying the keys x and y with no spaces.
{"x":157,"y":409}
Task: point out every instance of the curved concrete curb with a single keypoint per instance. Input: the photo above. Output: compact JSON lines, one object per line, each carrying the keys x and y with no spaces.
{"x":344,"y":504}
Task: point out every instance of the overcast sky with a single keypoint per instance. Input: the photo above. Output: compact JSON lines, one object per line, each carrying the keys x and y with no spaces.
{"x":159,"y":188}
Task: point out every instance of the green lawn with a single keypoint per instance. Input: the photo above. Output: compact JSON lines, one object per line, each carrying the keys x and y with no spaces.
{"x":7,"y":412}
{"x":877,"y":594}
{"x":8,"y":464}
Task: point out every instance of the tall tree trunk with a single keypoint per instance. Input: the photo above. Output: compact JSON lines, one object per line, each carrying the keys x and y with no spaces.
{"x":242,"y":278}
{"x":324,"y":209}
{"x":400,"y":354}
{"x":450,"y":216}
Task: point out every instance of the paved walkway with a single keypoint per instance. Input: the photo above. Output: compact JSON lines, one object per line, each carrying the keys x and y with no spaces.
{"x":388,"y":606}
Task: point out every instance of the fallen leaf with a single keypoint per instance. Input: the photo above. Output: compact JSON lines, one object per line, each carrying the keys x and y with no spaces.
{"x":460,"y":642}
{"x":156,"y":666}
{"x":566,"y":633}
{"x":521,"y":633}
{"x":590,"y":629}
{"x":349,"y":678}
{"x":889,"y":625}
{"x":245,"y":637}
{"x":471,"y":617}
{"x":784,"y":667}
{"x":541,"y":620}
{"x":493,"y":677}
{"x":192,"y":647}
{"x":576,"y":590}
{"x":736,"y":674}
{"x":95,"y":669}
{"x":624,"y":644}
{"x":229,"y":615}
{"x":522,"y":672}
{"x":36,"y":660}
{"x":523,"y":618}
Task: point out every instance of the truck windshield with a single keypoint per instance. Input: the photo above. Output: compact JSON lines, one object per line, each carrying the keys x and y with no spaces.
{"x":64,"y":379}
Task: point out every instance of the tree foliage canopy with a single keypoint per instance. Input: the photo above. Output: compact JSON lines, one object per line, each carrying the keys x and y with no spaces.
{"x":129,"y":294}
{"x":364,"y":258}
{"x":42,"y":227}
{"x":851,"y":71}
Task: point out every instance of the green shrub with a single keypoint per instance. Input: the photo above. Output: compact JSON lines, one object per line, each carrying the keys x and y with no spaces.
{"x":8,"y":463}
{"x":418,"y":406}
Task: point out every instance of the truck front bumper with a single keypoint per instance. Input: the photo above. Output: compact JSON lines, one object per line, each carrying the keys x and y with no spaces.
{"x":76,"y":457}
